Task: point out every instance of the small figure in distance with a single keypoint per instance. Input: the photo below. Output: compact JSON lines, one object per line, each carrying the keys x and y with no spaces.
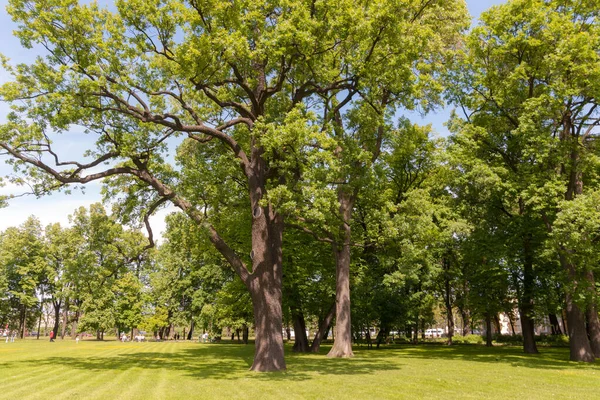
{"x":52,"y":335}
{"x":77,"y":339}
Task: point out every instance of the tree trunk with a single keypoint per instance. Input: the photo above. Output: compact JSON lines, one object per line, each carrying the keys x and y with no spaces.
{"x":300,"y":339}
{"x":488,"y":329}
{"x":22,"y":319}
{"x":56,"y":317}
{"x":342,"y":344}
{"x":579,"y":344}
{"x":65,"y":320}
{"x":512,"y":324}
{"x":381,"y":335}
{"x":526,"y":301}
{"x":466,"y":328}
{"x":591,"y":312}
{"x":323,"y":329}
{"x":448,"y":301}
{"x":190,"y":335}
{"x":554,"y":325}
{"x":416,"y":333}
{"x":269,"y":355}
{"x":39,"y":325}
{"x":497,"y":326}
{"x":245,"y":334}
{"x":593,"y":328}
{"x":74,"y":325}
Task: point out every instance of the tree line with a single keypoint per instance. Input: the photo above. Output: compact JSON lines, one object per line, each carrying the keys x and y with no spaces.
{"x":277,"y":130}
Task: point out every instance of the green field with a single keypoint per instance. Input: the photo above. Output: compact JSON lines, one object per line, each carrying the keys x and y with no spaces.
{"x":34,"y":369}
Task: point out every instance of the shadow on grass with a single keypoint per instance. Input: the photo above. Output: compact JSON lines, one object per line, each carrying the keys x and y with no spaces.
{"x":231,"y":361}
{"x":548,"y":358}
{"x":222,"y":361}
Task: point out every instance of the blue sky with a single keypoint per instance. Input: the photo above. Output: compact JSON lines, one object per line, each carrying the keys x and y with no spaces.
{"x":57,"y":207}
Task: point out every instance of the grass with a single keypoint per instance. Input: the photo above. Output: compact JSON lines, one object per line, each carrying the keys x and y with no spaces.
{"x":34,"y":369}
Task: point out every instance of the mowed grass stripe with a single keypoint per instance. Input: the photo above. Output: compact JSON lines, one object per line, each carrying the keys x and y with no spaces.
{"x":23,"y":375}
{"x":54,"y":369}
{"x":36,"y":383}
{"x":97,"y":370}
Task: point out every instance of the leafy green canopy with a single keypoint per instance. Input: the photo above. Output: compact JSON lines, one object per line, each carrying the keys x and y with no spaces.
{"x":243,"y":73}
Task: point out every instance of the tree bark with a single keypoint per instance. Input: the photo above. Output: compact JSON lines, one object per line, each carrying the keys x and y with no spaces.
{"x":488,"y":329}
{"x":74,"y":325}
{"x":526,"y":301}
{"x":579,"y":344}
{"x":269,"y":355}
{"x":466,"y":327}
{"x":190,"y":335}
{"x":342,"y":344}
{"x":593,"y":328}
{"x":323,"y":329}
{"x":245,"y":334}
{"x":56,"y":317}
{"x":554,"y":325}
{"x":300,"y":339}
{"x":448,"y":301}
{"x":65,"y":320}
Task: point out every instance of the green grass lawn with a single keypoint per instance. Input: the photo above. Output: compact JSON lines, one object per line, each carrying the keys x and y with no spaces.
{"x":34,"y":369}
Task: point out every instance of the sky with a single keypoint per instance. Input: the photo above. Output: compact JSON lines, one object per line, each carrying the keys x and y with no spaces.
{"x":58,"y":206}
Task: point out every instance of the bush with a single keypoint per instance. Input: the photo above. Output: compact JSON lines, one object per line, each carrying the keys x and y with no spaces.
{"x":469,"y":339}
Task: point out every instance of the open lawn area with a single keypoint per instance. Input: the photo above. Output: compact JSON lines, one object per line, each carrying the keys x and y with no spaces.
{"x":112,"y":370}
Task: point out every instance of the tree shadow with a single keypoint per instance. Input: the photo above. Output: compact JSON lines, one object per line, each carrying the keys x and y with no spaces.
{"x":220,"y":361}
{"x":232,"y":361}
{"x":548,"y":358}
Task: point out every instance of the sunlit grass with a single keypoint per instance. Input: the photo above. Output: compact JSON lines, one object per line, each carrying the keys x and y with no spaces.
{"x":34,"y":369}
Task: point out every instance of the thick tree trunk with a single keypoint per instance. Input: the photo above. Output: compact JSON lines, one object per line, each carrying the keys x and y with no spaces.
{"x":416,"y":333}
{"x":265,"y":280}
{"x":381,"y":335}
{"x":323,"y":329}
{"x":527,"y":326}
{"x":488,"y":329}
{"x":342,"y":344}
{"x":526,"y":301}
{"x":554,"y":325}
{"x":466,"y":327}
{"x":591,"y":313}
{"x":74,"y":325}
{"x":497,"y":326}
{"x":593,"y":328}
{"x":300,"y":339}
{"x":245,"y":334}
{"x":579,"y":344}
{"x":269,"y":355}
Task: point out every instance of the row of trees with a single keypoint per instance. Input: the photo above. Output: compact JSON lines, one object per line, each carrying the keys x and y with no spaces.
{"x":88,"y":275}
{"x":289,"y":150}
